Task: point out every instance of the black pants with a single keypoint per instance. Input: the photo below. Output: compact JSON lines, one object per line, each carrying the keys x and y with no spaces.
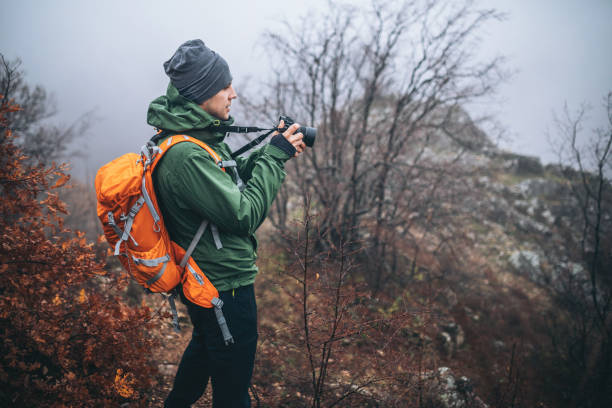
{"x":229,"y":367}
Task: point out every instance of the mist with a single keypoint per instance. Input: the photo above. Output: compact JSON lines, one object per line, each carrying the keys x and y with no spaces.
{"x":106,"y":59}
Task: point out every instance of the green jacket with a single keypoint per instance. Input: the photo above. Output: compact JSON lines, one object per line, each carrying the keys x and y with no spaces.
{"x":190,"y":187}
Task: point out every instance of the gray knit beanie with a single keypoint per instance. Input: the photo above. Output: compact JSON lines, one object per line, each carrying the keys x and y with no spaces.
{"x":197,"y":71}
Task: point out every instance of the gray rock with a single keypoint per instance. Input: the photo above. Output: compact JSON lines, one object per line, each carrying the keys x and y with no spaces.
{"x":483,"y":181}
{"x":451,"y":392}
{"x":534,"y":204}
{"x":528,"y":165}
{"x":548,"y":217}
{"x":529,"y":225}
{"x":575,"y":269}
{"x":565,"y":272}
{"x":498,"y":344}
{"x":537,"y":187}
{"x":521,"y":205}
{"x":528,"y":263}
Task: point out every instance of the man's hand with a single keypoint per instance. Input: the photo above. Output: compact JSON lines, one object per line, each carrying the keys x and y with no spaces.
{"x":294,"y":138}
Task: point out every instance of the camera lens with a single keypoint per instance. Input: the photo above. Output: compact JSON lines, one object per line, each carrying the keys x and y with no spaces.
{"x":309,"y":135}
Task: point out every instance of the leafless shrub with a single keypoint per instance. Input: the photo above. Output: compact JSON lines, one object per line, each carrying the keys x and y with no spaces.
{"x":341,"y":346}
{"x":41,"y":141}
{"x":581,"y":324}
{"x":386,"y":88}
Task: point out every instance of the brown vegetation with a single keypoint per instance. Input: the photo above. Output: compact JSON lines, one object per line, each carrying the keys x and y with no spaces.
{"x":67,"y":337}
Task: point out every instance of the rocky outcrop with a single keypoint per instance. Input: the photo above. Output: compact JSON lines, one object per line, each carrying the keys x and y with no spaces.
{"x":527,"y":263}
{"x":448,"y":391}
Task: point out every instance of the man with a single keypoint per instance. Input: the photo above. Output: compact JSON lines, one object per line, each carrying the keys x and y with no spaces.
{"x":190,"y":188}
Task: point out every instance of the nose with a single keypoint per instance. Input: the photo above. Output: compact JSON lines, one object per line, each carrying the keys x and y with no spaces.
{"x":233,"y":94}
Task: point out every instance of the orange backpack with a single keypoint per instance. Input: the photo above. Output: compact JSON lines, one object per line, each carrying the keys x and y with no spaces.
{"x":134,"y":227}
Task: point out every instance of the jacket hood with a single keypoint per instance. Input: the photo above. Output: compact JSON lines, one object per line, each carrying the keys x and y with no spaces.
{"x":177,"y":114}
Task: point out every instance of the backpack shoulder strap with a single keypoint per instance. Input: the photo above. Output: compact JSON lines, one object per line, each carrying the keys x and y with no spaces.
{"x":176,"y":139}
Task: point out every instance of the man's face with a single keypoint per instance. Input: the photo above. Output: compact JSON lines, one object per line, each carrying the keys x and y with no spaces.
{"x":219,"y":104}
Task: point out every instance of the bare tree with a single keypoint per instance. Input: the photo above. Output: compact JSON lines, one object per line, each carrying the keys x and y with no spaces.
{"x":343,"y":351}
{"x":386,"y":88}
{"x":582,"y":289}
{"x":40,"y":140}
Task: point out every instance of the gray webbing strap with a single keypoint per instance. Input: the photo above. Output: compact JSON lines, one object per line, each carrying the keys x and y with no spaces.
{"x":112,"y":223}
{"x":117,"y":247}
{"x":215,"y":233}
{"x":227,"y":336}
{"x":151,"y":263}
{"x":227,"y":163}
{"x":194,"y":242}
{"x":195,"y":275}
{"x":175,"y":321}
{"x":158,"y":276}
{"x":118,"y":231}
{"x":147,"y":154}
{"x":128,"y":223}
{"x":239,"y":182}
{"x":147,"y":199}
{"x":130,"y":218}
{"x":149,"y":151}
{"x":233,"y":165}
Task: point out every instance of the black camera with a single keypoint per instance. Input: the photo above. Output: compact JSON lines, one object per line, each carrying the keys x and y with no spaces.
{"x":309,"y":133}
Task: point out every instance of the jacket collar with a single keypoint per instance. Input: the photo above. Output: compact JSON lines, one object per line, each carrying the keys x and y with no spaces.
{"x":175,"y":114}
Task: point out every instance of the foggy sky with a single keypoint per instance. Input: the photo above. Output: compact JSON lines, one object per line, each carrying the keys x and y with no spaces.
{"x":107,"y":57}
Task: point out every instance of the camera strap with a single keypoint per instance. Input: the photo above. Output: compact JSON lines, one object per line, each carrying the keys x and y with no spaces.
{"x":238,"y":129}
{"x":232,"y":129}
{"x":252,"y":143}
{"x":245,"y":129}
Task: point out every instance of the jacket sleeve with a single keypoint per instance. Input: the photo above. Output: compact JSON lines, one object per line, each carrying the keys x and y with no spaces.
{"x":246,"y":164}
{"x":213,"y":194}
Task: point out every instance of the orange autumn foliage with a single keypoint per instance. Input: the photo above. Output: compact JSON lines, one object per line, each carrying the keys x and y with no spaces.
{"x":67,"y":338}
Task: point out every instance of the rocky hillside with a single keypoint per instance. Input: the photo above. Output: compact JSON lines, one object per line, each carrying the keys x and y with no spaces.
{"x":524,"y":294}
